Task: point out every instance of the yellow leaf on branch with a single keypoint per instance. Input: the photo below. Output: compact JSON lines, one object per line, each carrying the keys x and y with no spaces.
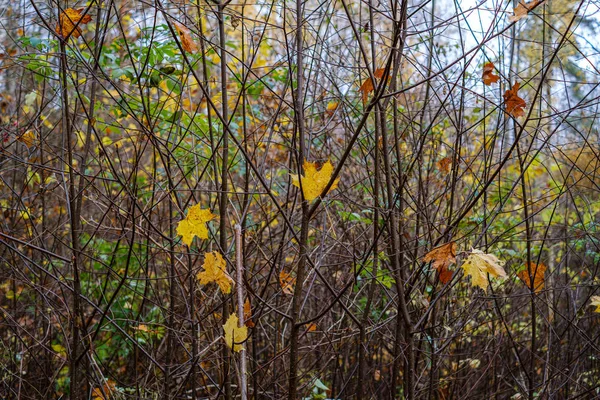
{"x":478,"y":264}
{"x":215,"y":270}
{"x":314,"y":181}
{"x":234,"y":334}
{"x":595,"y":301}
{"x":194,"y":224}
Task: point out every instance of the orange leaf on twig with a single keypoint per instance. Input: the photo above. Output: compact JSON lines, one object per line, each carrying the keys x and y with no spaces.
{"x":514,"y":104}
{"x":187,"y":42}
{"x":67,"y":21}
{"x":287,"y":282}
{"x":368,"y":86}
{"x":248,"y":314}
{"x":535,"y":271}
{"x":488,"y":76}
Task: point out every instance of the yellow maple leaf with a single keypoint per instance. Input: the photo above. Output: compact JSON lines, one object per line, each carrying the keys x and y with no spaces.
{"x":478,"y":264}
{"x":28,"y":138}
{"x":194,"y":224}
{"x":234,"y":334}
{"x":215,"y":270}
{"x":67,"y":21}
{"x":595,"y":301}
{"x":313,"y":180}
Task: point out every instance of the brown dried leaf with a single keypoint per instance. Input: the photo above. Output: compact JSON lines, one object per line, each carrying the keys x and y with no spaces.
{"x":522,"y":9}
{"x":187,"y":42}
{"x":514,"y":104}
{"x":488,"y":76}
{"x":442,"y":256}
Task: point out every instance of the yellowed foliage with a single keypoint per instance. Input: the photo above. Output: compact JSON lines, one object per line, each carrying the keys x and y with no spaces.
{"x":234,"y":334}
{"x":595,"y":301}
{"x":67,"y":21}
{"x":27,"y":138}
{"x":331,"y":107}
{"x":215,"y":270}
{"x":194,"y":224}
{"x":313,"y":180}
{"x":478,"y":264}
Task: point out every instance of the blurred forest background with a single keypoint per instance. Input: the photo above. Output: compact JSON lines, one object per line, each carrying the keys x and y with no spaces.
{"x":299,"y":199}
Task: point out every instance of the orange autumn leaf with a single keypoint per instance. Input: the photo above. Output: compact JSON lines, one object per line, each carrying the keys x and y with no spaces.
{"x":368,"y":86}
{"x":445,"y":275}
{"x":248,"y":314}
{"x":104,"y":393}
{"x":444,"y":165}
{"x":522,"y":9}
{"x":488,"y":76}
{"x":187,"y":42}
{"x":535,"y":271}
{"x":67,"y":21}
{"x":287,"y":282}
{"x":514,"y":104}
{"x":311,"y":327}
{"x":442,"y":256}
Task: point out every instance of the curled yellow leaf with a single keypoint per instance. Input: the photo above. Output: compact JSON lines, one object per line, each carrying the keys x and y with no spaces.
{"x":235,"y":335}
{"x":478,"y":264}
{"x":215,"y":270}
{"x":595,"y":301}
